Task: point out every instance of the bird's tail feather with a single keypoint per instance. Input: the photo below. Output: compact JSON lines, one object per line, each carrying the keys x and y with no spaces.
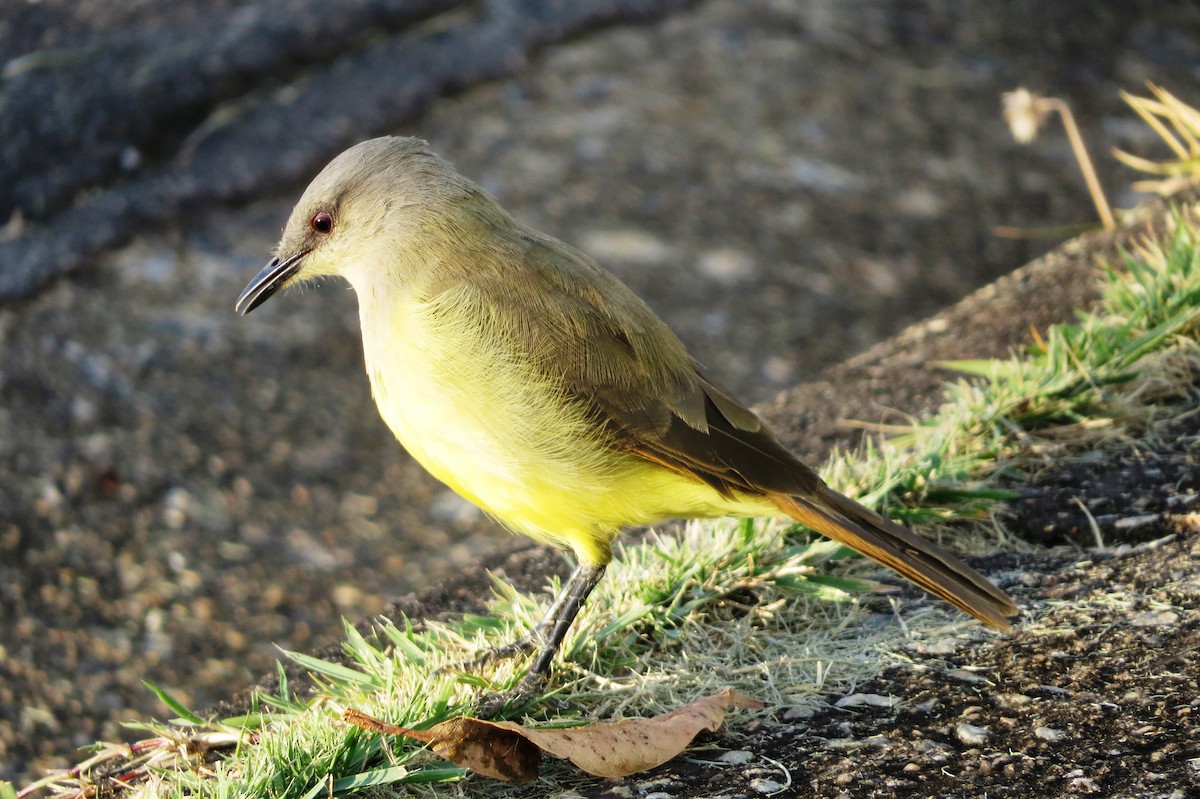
{"x":886,"y":542}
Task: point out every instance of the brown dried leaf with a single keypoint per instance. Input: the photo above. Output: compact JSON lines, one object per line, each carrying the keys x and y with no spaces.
{"x":621,"y":748}
{"x":478,"y":745}
{"x":508,"y":751}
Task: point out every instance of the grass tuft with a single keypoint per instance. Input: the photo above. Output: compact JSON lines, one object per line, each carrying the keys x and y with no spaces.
{"x":1178,"y":126}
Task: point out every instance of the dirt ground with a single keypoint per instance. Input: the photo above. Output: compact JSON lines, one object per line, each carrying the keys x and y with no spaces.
{"x":1096,"y":694}
{"x":786,"y":183}
{"x":1098,"y":697}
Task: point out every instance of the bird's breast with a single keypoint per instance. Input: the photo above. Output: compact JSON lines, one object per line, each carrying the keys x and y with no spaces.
{"x":478,"y":414}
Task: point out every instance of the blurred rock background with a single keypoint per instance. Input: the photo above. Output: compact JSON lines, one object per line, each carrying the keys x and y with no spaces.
{"x":182,"y":491}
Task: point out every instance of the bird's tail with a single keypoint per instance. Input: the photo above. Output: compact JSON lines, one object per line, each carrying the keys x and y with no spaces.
{"x":886,"y":542}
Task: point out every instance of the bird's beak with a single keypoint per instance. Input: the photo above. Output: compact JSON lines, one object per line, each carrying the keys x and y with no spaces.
{"x":267,"y":282}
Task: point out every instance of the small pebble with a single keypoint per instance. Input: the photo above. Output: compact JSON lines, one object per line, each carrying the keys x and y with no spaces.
{"x":970,"y":735}
{"x":765,"y":786}
{"x":727,"y":266}
{"x":942,"y":646}
{"x":867,"y":700}
{"x":629,"y":246}
{"x":963,"y":675}
{"x":736,"y":756}
{"x":1160,"y":618}
{"x":842,"y":743}
{"x":1013,"y":700}
{"x":1083,"y":785}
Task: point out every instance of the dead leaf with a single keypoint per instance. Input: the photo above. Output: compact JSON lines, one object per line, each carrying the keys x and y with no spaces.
{"x":478,"y":745}
{"x":621,"y":748}
{"x":506,"y":750}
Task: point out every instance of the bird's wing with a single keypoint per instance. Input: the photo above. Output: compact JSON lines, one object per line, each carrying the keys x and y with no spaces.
{"x":616,"y":357}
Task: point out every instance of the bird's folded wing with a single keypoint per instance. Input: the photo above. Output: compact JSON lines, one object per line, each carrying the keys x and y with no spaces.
{"x":615,"y":356}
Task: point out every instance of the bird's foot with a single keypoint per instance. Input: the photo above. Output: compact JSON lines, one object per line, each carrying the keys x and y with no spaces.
{"x":493,"y":705}
{"x":522,"y":646}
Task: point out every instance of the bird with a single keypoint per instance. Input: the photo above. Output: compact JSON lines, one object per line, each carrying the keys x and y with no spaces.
{"x":542,"y":389}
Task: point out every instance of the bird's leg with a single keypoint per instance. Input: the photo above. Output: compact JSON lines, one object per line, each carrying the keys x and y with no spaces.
{"x":540,"y":632}
{"x":549,"y":632}
{"x":562,"y":613}
{"x":543,"y":630}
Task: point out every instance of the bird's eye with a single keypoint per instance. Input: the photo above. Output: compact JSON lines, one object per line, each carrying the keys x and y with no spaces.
{"x":322,"y":223}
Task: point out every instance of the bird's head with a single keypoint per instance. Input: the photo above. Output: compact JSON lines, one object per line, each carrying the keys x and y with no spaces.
{"x":374,"y":212}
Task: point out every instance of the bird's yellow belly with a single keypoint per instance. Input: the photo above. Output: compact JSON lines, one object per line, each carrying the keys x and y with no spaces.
{"x":508,"y":440}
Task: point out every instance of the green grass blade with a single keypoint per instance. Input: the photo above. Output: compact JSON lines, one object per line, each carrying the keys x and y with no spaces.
{"x":334,"y":671}
{"x":176,"y":707}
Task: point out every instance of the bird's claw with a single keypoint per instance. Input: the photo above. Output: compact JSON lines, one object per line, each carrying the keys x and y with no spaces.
{"x":493,"y":705}
{"x":522,"y":646}
{"x":529,"y":690}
